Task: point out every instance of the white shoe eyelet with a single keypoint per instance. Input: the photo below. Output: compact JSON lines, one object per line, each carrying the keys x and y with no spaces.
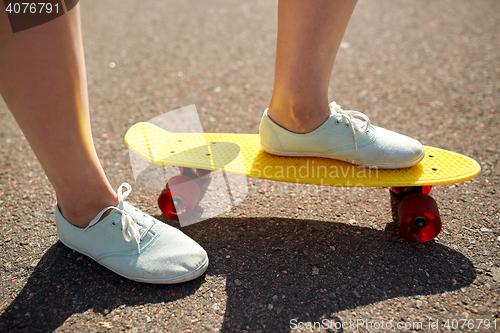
{"x":346,"y":125}
{"x":113,"y":223}
{"x":338,"y":121}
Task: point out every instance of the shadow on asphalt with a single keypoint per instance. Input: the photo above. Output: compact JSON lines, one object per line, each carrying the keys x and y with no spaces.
{"x":306,"y":269}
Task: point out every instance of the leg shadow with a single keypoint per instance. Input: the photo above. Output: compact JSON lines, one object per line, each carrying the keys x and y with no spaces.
{"x":65,"y":282}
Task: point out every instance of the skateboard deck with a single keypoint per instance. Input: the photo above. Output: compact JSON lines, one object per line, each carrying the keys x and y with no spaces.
{"x":242,"y":154}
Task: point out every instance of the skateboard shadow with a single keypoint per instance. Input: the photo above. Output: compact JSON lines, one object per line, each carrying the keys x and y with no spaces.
{"x":306,"y":269}
{"x":319,"y":268}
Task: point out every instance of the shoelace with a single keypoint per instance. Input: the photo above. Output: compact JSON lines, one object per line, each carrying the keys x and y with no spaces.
{"x":130,"y":229}
{"x":351,"y":118}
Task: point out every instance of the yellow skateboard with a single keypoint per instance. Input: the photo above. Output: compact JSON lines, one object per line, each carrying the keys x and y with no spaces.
{"x":242,"y":154}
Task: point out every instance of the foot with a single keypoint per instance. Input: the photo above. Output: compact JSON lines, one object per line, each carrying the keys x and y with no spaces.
{"x":346,"y":136}
{"x":135,"y":245}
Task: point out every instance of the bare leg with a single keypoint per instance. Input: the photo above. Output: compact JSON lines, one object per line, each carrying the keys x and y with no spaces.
{"x":309,"y":36}
{"x":43,"y":82}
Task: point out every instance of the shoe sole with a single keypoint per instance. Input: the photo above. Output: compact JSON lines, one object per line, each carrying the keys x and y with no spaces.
{"x":368,"y":165}
{"x":178,"y":279}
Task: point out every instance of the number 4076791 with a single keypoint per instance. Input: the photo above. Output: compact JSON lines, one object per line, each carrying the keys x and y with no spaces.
{"x":32,"y":7}
{"x":461,"y":324}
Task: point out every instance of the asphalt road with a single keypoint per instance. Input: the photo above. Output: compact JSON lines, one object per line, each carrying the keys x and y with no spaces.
{"x":428,"y":69}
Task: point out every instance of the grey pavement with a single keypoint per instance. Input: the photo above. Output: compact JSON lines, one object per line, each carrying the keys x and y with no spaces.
{"x":428,"y":69}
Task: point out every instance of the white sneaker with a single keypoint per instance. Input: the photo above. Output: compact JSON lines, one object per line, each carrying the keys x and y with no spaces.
{"x":135,"y":245}
{"x":346,"y":136}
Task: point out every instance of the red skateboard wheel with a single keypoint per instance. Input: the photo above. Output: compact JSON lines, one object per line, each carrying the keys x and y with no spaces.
{"x":419,"y":219}
{"x":179,"y":197}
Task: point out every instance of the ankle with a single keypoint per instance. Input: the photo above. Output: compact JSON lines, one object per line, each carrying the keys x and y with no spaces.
{"x":299,"y":118}
{"x":80,"y":213}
